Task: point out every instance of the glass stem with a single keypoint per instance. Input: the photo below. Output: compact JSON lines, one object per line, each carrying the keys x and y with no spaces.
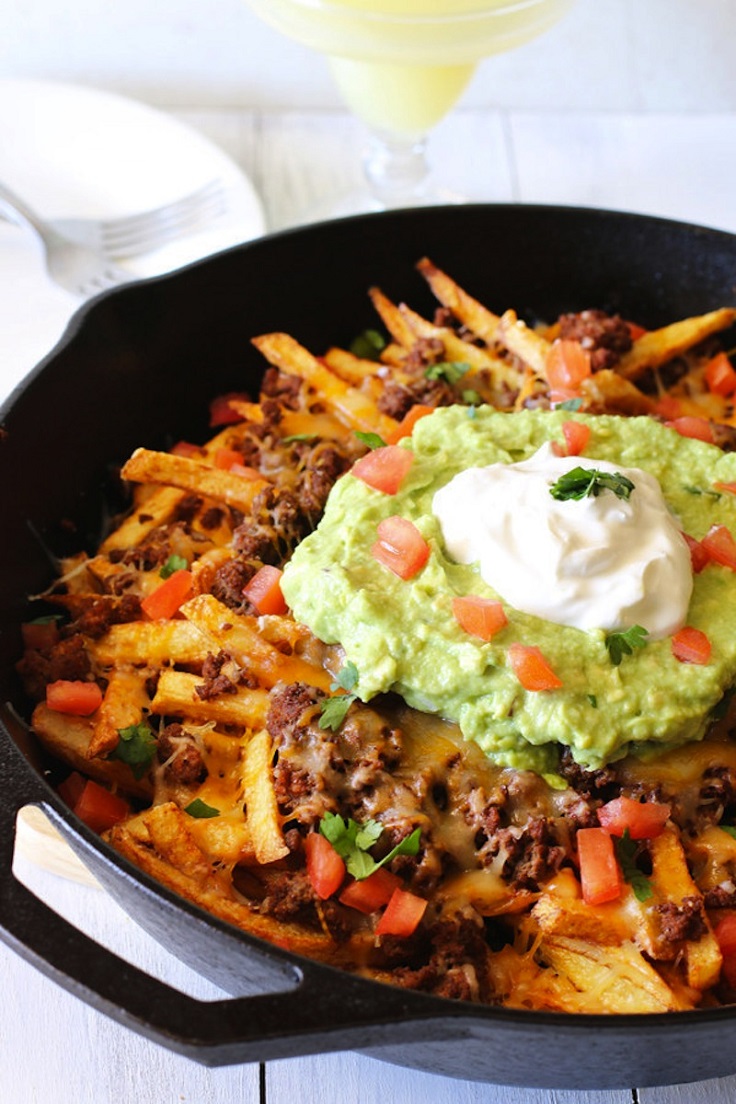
{"x":396,"y":169}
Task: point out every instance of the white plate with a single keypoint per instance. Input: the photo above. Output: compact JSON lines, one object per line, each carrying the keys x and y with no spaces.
{"x":78,"y":152}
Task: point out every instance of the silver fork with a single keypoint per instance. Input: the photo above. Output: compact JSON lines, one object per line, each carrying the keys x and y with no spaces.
{"x":133,"y":235}
{"x":76,"y":268}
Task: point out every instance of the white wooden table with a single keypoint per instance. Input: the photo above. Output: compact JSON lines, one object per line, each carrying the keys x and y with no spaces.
{"x":54,"y":1049}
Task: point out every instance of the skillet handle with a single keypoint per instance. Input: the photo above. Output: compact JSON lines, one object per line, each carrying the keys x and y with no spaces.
{"x":322,"y":1013}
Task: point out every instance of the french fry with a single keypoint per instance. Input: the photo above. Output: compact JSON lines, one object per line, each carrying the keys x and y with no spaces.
{"x":466,"y":309}
{"x":672,"y":884}
{"x":656,"y":347}
{"x":148,"y":642}
{"x":176,"y":694}
{"x":392,"y":318}
{"x":68,"y":739}
{"x":125,"y":699}
{"x":147,"y":466}
{"x":352,"y":406}
{"x":264,"y":822}
{"x":239,"y":637}
{"x":479,"y":360}
{"x":613,"y":978}
{"x":613,"y":393}
{"x":529,"y":346}
{"x":159,"y":508}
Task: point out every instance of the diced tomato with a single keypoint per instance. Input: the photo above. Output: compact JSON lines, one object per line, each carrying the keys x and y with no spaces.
{"x":221,"y":412}
{"x":400,"y":547}
{"x":40,"y":635}
{"x":567,"y":366}
{"x":698,"y":555}
{"x":577,"y":435}
{"x":725,"y":933}
{"x":384,"y":468}
{"x":690,"y":425}
{"x":185,"y":448}
{"x":720,"y":375}
{"x":164,"y":601}
{"x":71,"y":788}
{"x":720,"y":546}
{"x":727,"y":488}
{"x":226,"y":457}
{"x":690,"y":645}
{"x":402,"y":915}
{"x":264,"y":590}
{"x":371,"y":893}
{"x":325,"y":868}
{"x":642,"y":820}
{"x":100,"y":809}
{"x":405,"y":428}
{"x":635,"y":330}
{"x":667,"y":406}
{"x":599,"y":873}
{"x":73,"y":696}
{"x":231,"y":460}
{"x":482,"y":617}
{"x":532,"y":669}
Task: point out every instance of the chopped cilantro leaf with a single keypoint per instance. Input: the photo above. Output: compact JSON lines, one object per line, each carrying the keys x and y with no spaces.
{"x":335,"y":710}
{"x":620,"y":644}
{"x":368,"y":345}
{"x":569,"y":404}
{"x":450,"y":370}
{"x":582,"y":482}
{"x":471,"y":397}
{"x":703,"y":491}
{"x":371,"y":440}
{"x":730,"y":829}
{"x":200,"y":809}
{"x":346,"y":678}
{"x":136,"y":747}
{"x":294,"y":437}
{"x":593,"y":700}
{"x":626,"y":850}
{"x":174,"y":563}
{"x":353,"y":841}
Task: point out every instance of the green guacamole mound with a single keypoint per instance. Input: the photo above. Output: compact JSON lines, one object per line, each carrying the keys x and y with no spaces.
{"x":402,"y":636}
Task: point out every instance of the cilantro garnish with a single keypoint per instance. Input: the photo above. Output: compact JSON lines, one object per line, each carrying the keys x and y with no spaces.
{"x":335,"y":709}
{"x":371,"y":440}
{"x":702,"y":491}
{"x":174,"y":563}
{"x":368,"y":345}
{"x":729,"y":829}
{"x":353,"y":842}
{"x":620,"y":644}
{"x":626,"y":854}
{"x":450,"y":370}
{"x":582,"y":482}
{"x":294,"y":437}
{"x":569,"y":404}
{"x":471,"y":397}
{"x":136,"y":747}
{"x":200,"y":809}
{"x":593,"y":700}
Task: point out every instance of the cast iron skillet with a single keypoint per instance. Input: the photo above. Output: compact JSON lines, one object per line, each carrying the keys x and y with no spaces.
{"x":138,"y":367}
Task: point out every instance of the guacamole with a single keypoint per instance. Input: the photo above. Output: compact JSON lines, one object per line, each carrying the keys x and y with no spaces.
{"x":402,"y":635}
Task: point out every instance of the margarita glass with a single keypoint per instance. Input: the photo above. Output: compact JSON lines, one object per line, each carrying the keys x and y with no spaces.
{"x":401,"y":65}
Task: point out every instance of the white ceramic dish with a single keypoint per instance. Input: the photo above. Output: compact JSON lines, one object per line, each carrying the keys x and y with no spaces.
{"x":71,"y":151}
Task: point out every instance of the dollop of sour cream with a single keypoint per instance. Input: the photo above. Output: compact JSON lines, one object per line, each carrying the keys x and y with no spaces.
{"x":600,"y":562}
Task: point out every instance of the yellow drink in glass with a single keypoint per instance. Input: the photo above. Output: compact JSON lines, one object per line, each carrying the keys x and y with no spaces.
{"x":401,"y":65}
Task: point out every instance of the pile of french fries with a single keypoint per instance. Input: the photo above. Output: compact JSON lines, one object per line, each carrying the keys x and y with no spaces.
{"x":561,"y":954}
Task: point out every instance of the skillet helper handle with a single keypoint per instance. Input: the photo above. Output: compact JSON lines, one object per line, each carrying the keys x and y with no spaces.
{"x":311,"y":1017}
